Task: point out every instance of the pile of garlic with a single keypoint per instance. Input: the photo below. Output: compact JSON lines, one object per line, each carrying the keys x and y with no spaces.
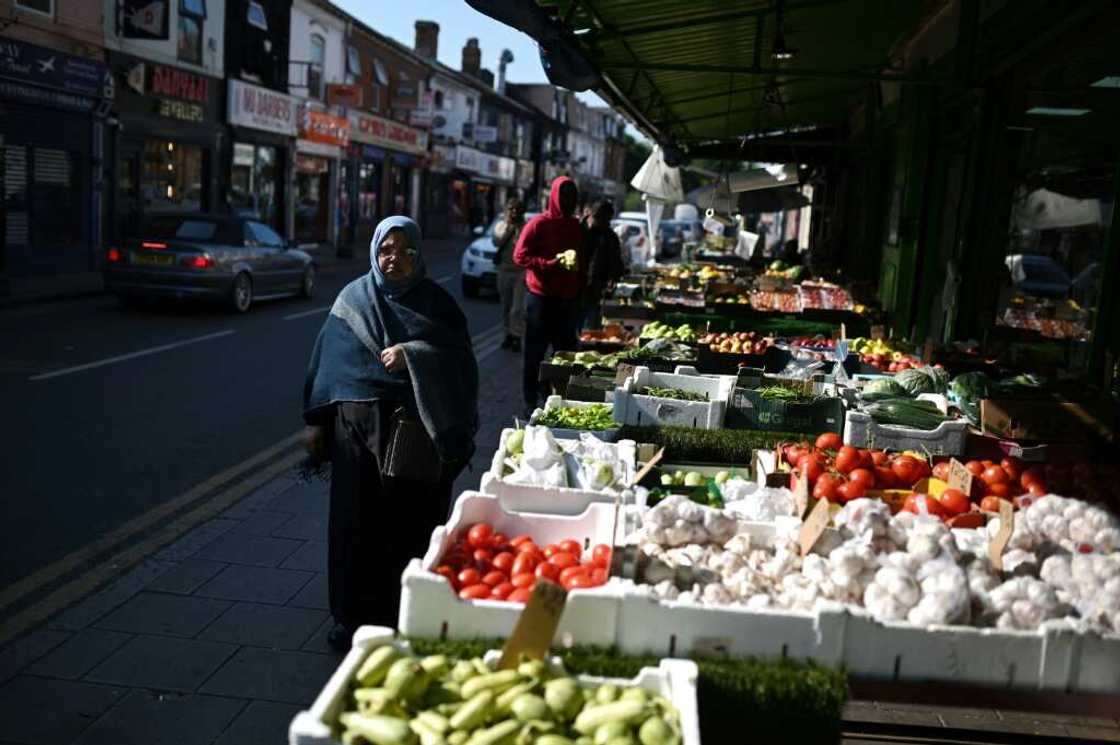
{"x":903,"y":567}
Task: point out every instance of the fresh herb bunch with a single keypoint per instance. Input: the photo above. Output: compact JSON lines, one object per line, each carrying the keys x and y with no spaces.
{"x":781,"y":393}
{"x":593,"y":417}
{"x":677,"y":393}
{"x":724,"y":446}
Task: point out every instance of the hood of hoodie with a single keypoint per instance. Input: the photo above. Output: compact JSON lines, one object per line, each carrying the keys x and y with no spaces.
{"x":553,"y":210}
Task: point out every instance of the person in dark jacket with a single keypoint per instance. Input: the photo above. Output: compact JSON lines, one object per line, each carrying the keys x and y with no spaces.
{"x":553,"y":302}
{"x":383,"y":352}
{"x":605,"y":266}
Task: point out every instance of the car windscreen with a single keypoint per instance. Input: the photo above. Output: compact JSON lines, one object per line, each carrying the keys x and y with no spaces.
{"x":183,"y":228}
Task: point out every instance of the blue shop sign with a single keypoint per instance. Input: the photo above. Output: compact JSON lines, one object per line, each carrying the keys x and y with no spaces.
{"x":45,"y":76}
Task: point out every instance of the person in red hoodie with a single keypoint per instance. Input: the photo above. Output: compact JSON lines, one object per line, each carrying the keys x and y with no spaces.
{"x":552,"y":304}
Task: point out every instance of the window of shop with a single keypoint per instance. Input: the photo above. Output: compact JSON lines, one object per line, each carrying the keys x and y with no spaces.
{"x":192,"y":14}
{"x":380,"y":83}
{"x":369,"y":192}
{"x":41,"y":197}
{"x":401,"y":189}
{"x":255,"y":16}
{"x":312,"y":195}
{"x":254,"y":189}
{"x":315,"y":66}
{"x":353,"y":65}
{"x":171,"y":177}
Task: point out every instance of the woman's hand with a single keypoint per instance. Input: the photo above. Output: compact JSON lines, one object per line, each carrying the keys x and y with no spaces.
{"x":393,"y":358}
{"x":315,"y":442}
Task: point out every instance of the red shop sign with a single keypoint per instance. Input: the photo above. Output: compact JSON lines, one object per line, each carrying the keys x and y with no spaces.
{"x":326,"y":128}
{"x":179,"y":84}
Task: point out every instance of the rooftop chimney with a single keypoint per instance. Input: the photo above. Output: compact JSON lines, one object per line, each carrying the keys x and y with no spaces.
{"x":505,"y":59}
{"x":472,"y":57}
{"x":487,"y":77}
{"x":427,"y":39}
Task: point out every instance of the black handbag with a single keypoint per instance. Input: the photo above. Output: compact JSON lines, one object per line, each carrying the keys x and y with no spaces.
{"x":411,"y":454}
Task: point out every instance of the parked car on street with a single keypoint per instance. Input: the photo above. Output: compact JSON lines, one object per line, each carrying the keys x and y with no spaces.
{"x":230,"y":258}
{"x":477,"y":265}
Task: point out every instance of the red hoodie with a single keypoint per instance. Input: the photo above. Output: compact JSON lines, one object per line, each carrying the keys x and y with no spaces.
{"x":546,"y":235}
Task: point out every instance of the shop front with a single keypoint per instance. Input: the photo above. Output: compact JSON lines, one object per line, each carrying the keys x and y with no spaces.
{"x":526,"y":170}
{"x":490,"y":180}
{"x":263,"y":123}
{"x":383,"y":174}
{"x":442,"y":214}
{"x":51,"y":139}
{"x":319,"y":203}
{"x":168,"y":144}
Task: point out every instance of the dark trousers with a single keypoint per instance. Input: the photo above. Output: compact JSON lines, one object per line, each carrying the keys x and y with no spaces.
{"x":376,"y":525}
{"x":548,"y":322}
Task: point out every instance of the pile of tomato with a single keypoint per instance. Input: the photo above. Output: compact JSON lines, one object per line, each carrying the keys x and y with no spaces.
{"x":486,"y":565}
{"x":841,"y":473}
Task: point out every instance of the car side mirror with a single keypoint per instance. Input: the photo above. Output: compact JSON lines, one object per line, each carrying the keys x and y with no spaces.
{"x":478,"y":230}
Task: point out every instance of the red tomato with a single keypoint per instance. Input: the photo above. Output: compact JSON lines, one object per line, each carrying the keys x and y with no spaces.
{"x":547,"y":570}
{"x":517,"y":540}
{"x":481,"y":555}
{"x":599,"y":576}
{"x":849,"y":491}
{"x":975,"y":467}
{"x":1031,"y":475}
{"x":1037,"y":488}
{"x":525,"y":579}
{"x":1013,"y":467}
{"x":503,"y":562}
{"x":879,"y":457}
{"x":499,"y":541}
{"x":479,"y":535}
{"x":885,"y":478}
{"x":994,"y":475}
{"x":601,"y":555}
{"x":550,"y":549}
{"x":523,"y":563}
{"x":570,"y":572}
{"x":446,"y":571}
{"x":502,"y":591}
{"x":999,"y":490}
{"x":476,"y":592}
{"x":907,"y":470}
{"x":469,"y":577}
{"x":941,"y":471}
{"x":915,"y":502}
{"x":575,"y":548}
{"x":520,"y":595}
{"x":847,"y":459}
{"x":578,"y":582}
{"x":810,"y":467}
{"x":955,"y":501}
{"x":494,"y":578}
{"x":863,"y":477}
{"x":866,"y":460}
{"x":829,"y":441}
{"x":562,"y":560}
{"x":990,"y":504}
{"x":825,"y":487}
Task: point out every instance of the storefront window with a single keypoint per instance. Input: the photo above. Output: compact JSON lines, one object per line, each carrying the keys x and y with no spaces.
{"x":312,"y":195}
{"x":369,"y":192}
{"x":191,"y":16}
{"x":402,"y":186}
{"x":171,"y":178}
{"x":255,"y":183}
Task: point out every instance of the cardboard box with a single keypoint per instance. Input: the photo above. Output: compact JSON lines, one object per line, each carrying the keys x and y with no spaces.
{"x":1047,"y":419}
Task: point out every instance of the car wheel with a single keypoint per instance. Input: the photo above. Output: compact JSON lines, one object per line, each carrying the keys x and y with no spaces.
{"x":307,"y":284}
{"x":241,"y":294}
{"x":470,"y":287}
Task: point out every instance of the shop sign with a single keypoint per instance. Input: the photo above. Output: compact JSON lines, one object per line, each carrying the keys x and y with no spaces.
{"x":324,"y":128}
{"x":260,"y":108}
{"x":341,"y":94}
{"x":311,"y":164}
{"x":468,"y":159}
{"x":67,"y":79}
{"x":377,"y":130}
{"x":442,"y":159}
{"x":484,"y":164}
{"x":179,"y":94}
{"x":144,"y":19}
{"x":485,"y":134}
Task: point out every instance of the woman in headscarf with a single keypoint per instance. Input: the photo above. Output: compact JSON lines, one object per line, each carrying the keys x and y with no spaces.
{"x":386,"y":351}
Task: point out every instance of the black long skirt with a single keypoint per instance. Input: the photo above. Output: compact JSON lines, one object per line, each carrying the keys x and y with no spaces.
{"x":377,"y":525}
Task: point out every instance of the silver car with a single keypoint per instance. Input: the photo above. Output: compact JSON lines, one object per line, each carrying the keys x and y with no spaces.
{"x":217,"y":257}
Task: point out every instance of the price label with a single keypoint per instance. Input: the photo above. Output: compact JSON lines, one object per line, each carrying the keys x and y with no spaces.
{"x":960,"y":477}
{"x":814,"y":525}
{"x":532,"y":636}
{"x":622,"y":372}
{"x":648,"y":466}
{"x":801,"y":494}
{"x":1003,"y":535}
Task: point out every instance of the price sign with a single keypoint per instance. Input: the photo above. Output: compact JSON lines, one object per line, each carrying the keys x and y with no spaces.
{"x":814,"y":526}
{"x":622,"y":372}
{"x":801,"y":494}
{"x":960,"y":477}
{"x":532,"y":636}
{"x":1003,"y":535}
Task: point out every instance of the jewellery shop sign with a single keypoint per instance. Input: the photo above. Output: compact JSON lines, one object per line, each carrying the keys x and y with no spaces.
{"x":171,"y":93}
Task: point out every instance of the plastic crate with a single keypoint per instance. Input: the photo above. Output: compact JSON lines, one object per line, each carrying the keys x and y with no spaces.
{"x":430,"y":607}
{"x":555,"y":500}
{"x":563,"y":433}
{"x":673,"y":679}
{"x":637,"y":409}
{"x":949,"y":438}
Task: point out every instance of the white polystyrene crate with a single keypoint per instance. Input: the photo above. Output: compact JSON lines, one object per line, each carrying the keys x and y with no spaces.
{"x":862,"y":431}
{"x":556,"y":402}
{"x":636,"y":409}
{"x":674,"y":679}
{"x":560,"y":500}
{"x":430,"y":607}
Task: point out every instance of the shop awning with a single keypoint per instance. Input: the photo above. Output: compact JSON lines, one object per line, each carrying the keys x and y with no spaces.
{"x":704,"y":73}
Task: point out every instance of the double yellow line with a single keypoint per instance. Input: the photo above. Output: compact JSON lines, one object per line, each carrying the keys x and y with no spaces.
{"x":110,"y":555}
